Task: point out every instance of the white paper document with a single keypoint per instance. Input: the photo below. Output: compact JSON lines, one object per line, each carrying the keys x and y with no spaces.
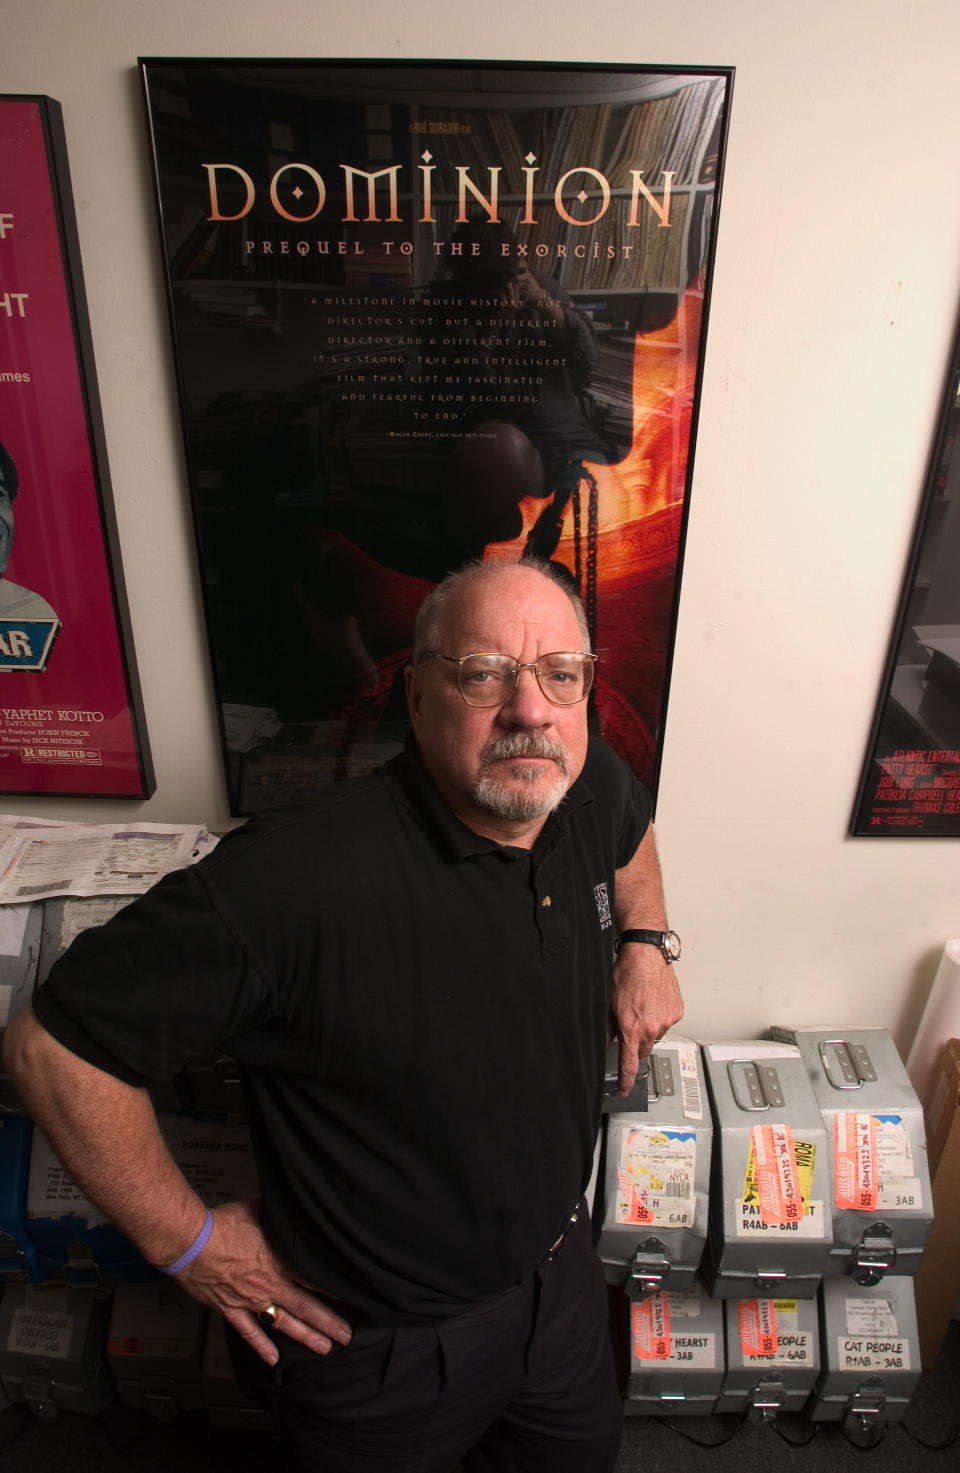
{"x":91,"y":859}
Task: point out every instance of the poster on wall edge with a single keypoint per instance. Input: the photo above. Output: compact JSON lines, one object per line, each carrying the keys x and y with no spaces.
{"x":71,"y":715}
{"x":910,"y":784}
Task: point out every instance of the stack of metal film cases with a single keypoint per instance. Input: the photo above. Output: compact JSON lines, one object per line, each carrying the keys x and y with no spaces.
{"x":763,"y":1206}
{"x":760,"y":1207}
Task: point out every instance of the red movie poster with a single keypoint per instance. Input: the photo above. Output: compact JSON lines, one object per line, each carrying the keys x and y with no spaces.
{"x":68,"y":718}
{"x":423,"y":314}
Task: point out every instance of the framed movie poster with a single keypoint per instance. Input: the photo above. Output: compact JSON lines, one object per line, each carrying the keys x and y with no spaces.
{"x":71,"y":720}
{"x":427,"y":313}
{"x":911,"y":778}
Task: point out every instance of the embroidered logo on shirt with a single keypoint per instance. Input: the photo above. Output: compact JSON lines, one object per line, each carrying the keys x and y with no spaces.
{"x":603,"y":906}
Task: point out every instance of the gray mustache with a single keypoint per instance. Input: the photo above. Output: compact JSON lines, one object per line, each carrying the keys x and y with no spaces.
{"x":524,"y":744}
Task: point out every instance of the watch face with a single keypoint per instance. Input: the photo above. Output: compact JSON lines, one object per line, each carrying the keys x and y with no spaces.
{"x":671,"y":945}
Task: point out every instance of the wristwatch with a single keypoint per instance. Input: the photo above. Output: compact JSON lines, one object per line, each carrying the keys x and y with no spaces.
{"x":667,"y":941}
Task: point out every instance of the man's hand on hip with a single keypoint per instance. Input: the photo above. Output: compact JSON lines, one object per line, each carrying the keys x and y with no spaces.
{"x":238,"y":1274}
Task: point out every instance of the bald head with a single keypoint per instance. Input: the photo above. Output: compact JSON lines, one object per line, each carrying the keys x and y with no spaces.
{"x":492,"y":577}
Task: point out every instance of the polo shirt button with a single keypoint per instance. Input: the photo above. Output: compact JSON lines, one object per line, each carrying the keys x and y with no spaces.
{"x":545,"y":902}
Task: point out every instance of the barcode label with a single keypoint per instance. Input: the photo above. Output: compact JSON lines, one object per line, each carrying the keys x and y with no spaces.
{"x":26,"y":891}
{"x":677,"y":1186}
{"x":690,"y":1081}
{"x":692,"y":1108}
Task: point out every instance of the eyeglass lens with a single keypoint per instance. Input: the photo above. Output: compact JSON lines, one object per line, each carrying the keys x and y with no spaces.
{"x":489,"y":680}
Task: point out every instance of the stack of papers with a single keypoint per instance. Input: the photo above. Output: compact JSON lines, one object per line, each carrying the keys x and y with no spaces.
{"x":40,"y":859}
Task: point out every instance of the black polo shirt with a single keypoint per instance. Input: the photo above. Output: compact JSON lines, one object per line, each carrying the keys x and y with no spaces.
{"x":420,"y":1015}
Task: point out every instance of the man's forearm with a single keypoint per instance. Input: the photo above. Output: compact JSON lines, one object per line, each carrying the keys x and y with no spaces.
{"x":105,"y":1133}
{"x":646,"y":999}
{"x":639,"y":894}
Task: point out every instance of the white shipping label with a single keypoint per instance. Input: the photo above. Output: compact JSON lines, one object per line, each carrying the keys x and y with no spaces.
{"x":751,"y":1050}
{"x":893,"y":1146}
{"x":13,"y":928}
{"x":899,"y":1185}
{"x":691,"y":1091}
{"x":795,"y":1348}
{"x":40,"y":1327}
{"x":215,"y":1157}
{"x":655,"y":1176}
{"x":904,"y":1193}
{"x":656,"y":1337}
{"x":695,"y":1350}
{"x":749,"y":1223}
{"x":870,"y":1316}
{"x":684,"y":1306}
{"x":863,"y":1353}
{"x":52,"y":1191}
{"x":87,"y":914}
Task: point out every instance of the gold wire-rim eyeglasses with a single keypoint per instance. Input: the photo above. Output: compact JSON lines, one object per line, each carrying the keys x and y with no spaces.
{"x":498,"y":691}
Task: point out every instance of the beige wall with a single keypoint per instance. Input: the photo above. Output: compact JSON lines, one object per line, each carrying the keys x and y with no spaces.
{"x":835,"y":300}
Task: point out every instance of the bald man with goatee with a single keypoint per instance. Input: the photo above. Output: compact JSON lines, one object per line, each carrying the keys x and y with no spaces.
{"x":416,"y":972}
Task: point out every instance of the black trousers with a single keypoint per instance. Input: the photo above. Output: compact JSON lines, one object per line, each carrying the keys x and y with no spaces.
{"x":524,"y":1383}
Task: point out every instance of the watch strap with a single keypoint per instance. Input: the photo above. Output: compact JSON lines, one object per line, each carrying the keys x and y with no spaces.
{"x":666,"y":942}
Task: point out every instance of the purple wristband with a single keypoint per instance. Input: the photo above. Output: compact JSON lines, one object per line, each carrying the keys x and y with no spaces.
{"x":199,"y":1242}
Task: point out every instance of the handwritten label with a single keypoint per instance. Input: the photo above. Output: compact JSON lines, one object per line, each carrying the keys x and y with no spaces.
{"x":750,"y":1224}
{"x":858,"y":1353}
{"x":41,"y":1326}
{"x":650,"y":1322}
{"x":758,"y":1326}
{"x":855,"y":1181}
{"x":779,"y":1174}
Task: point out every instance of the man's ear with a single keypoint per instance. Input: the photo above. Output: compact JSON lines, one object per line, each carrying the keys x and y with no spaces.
{"x":412,"y":686}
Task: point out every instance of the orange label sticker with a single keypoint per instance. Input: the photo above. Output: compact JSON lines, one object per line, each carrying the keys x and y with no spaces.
{"x":758,"y":1327}
{"x":778,"y":1181}
{"x":633,"y":1203}
{"x":651,"y":1328}
{"x":856,"y":1180}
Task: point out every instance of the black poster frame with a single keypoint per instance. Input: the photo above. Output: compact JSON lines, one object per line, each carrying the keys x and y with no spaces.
{"x":910,"y":783}
{"x":309,"y":277}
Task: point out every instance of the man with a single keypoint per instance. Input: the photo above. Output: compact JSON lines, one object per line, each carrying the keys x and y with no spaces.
{"x":16,"y":603}
{"x":414,"y":971}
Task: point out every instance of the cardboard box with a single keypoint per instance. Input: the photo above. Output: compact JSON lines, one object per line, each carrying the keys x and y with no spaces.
{"x":938,"y":1277}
